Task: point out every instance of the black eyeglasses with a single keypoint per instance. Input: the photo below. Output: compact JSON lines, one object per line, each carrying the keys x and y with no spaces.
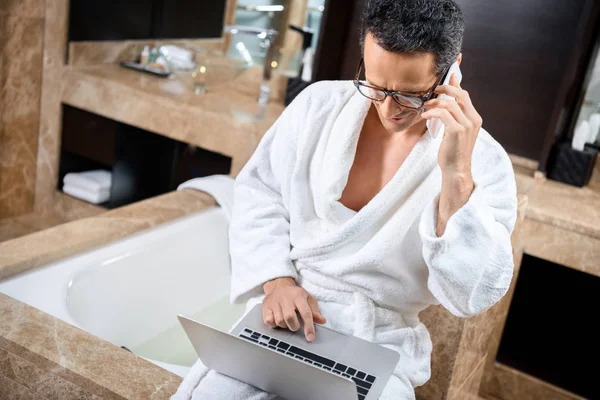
{"x":408,"y":101}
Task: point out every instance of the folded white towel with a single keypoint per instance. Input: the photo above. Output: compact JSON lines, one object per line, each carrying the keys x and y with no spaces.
{"x":92,"y":181}
{"x":220,"y":187}
{"x":86,"y":195}
{"x":594,"y":122}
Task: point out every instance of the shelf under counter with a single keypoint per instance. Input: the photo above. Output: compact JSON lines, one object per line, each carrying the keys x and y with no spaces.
{"x":227,"y":119}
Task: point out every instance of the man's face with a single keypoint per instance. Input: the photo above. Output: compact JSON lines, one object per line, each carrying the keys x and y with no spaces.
{"x":412,"y":74}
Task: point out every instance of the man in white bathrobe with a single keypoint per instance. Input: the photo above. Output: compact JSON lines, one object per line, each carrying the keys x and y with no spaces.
{"x":353,"y":214}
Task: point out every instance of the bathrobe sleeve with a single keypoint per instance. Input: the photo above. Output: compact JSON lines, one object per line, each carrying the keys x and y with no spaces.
{"x":471,"y":264}
{"x":259,"y":233}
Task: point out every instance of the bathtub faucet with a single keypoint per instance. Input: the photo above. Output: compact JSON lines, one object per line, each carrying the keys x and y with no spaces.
{"x":267,"y":37}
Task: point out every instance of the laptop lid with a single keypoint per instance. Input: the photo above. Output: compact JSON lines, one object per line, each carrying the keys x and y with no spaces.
{"x":264,"y":368}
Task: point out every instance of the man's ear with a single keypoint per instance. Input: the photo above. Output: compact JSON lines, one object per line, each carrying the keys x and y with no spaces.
{"x":459,"y":59}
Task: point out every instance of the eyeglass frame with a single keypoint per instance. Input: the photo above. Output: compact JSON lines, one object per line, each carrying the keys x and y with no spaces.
{"x":428,"y":96}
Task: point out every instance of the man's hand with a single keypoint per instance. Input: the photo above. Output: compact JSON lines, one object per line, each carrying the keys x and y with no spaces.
{"x":462,"y":123}
{"x":283,"y":299}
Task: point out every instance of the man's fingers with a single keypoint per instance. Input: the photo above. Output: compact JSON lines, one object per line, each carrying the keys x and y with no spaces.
{"x":462,"y":98}
{"x":290,"y":317}
{"x":452,"y":106}
{"x":307,"y":317}
{"x":446,"y":117}
{"x":314,"y":306}
{"x":450,"y":90}
{"x":268,"y":317}
{"x":279,"y":318}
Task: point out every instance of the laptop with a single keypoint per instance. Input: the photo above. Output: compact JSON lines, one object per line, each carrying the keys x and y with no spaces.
{"x":332,"y":367}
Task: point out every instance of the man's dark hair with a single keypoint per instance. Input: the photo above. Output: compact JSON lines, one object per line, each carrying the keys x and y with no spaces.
{"x":416,"y":26}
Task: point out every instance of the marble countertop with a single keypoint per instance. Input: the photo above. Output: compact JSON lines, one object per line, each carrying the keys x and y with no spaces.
{"x":563,"y":206}
{"x":227,"y":119}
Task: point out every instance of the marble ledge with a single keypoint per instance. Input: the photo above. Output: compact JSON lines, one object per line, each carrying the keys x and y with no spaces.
{"x":41,"y":357}
{"x":507,"y":383}
{"x":561,"y":246}
{"x":226,"y":119}
{"x":43,"y":247}
{"x":562,"y":206}
{"x":566,"y":207}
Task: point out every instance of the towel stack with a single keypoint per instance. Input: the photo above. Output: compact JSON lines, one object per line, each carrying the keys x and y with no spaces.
{"x":90,"y":186}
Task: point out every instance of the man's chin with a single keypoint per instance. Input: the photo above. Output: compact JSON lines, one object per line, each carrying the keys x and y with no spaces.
{"x":396,"y":128}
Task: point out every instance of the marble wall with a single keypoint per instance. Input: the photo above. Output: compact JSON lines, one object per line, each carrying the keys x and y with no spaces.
{"x":21,"y":48}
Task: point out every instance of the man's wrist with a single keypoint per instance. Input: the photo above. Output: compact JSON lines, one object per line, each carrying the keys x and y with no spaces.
{"x":457,"y":188}
{"x":271,"y":285}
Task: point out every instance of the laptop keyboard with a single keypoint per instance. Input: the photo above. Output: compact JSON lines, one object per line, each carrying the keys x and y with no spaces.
{"x":363,"y":380}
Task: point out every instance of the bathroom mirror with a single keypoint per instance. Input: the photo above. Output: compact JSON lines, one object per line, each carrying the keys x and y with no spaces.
{"x":278,"y":15}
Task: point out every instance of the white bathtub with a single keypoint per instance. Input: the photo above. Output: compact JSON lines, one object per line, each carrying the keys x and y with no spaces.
{"x":130,"y":292}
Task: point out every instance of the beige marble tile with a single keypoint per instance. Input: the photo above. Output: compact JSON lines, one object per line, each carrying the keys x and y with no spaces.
{"x":113,"y":52}
{"x":561,"y":246}
{"x":19,"y":122}
{"x":446,"y":332}
{"x":69,"y":208}
{"x":566,"y":207}
{"x":92,"y":364}
{"x":23,"y":8}
{"x":53,"y":244}
{"x":509,"y":384}
{"x":42,"y":382}
{"x":3,"y":37}
{"x":472,"y":351}
{"x":22,"y":225}
{"x":469,"y":389}
{"x":10,"y":389}
{"x":55,"y":39}
{"x":45,"y":364}
{"x":525,"y":183}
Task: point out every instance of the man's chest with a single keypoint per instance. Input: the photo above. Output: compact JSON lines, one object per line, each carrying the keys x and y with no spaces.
{"x":374,"y":167}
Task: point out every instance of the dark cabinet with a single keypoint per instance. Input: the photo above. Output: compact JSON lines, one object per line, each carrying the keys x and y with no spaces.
{"x":91,"y":20}
{"x":516,"y":57}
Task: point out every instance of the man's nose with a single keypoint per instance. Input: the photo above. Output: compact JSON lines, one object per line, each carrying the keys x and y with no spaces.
{"x":390,"y":107}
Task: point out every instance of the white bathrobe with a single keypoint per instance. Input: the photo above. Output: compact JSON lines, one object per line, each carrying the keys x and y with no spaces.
{"x":374,"y":270}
